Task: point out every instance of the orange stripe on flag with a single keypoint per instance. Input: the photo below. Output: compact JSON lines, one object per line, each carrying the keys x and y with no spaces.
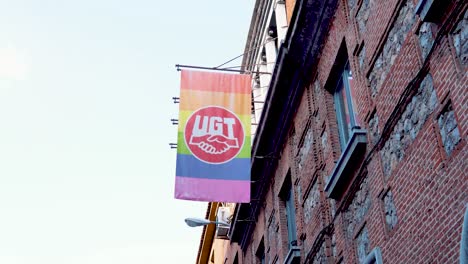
{"x":216,"y":82}
{"x":191,"y":100}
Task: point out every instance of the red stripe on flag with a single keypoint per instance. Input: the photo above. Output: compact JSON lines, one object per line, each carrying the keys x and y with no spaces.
{"x":216,"y":82}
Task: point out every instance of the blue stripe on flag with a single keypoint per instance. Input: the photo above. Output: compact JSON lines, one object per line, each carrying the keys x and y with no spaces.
{"x":235,"y":169}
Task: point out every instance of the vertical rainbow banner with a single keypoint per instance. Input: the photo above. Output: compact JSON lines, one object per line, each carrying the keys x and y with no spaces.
{"x":213,"y":145}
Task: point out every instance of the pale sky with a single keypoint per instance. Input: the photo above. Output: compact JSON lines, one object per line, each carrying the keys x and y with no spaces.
{"x":86,"y":174}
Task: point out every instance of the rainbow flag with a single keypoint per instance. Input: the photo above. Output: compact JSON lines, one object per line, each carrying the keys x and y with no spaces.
{"x":213,"y":146}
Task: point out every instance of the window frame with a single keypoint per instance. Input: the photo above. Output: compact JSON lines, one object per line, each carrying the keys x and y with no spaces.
{"x":290,"y":210}
{"x":260,"y":253}
{"x":352,"y":139}
{"x":286,"y":200}
{"x":343,"y":107}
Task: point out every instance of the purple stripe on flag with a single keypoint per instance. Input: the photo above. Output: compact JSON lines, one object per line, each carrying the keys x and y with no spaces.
{"x":235,"y":169}
{"x":199,"y":189}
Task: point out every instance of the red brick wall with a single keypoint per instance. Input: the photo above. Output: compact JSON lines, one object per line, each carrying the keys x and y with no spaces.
{"x":428,"y":186}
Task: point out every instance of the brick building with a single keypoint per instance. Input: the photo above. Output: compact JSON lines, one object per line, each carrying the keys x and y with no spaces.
{"x":360,"y":132}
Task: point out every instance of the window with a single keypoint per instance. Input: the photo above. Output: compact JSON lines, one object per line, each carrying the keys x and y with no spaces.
{"x":287,"y":200}
{"x":290,"y":211}
{"x":291,"y":218}
{"x":344,"y":109}
{"x":352,"y":138}
{"x":261,"y":253}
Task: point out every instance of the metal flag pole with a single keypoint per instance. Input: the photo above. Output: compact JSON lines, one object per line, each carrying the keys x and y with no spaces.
{"x":180,"y":66}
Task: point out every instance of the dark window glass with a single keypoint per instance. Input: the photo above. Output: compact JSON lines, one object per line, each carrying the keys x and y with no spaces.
{"x":343,"y":99}
{"x":290,"y":218}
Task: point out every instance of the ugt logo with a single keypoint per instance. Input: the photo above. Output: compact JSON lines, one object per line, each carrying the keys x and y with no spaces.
{"x":214,"y":134}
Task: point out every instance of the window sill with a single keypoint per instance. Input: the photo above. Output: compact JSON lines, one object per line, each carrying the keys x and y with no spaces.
{"x":354,"y":149}
{"x":430,"y":10}
{"x":294,"y":256}
{"x":375,"y":257}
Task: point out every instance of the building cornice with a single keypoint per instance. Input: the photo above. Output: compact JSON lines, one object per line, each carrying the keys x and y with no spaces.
{"x":255,"y":36}
{"x":294,"y":66}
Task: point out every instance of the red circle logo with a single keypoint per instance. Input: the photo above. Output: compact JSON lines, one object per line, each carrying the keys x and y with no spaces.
{"x":214,"y":134}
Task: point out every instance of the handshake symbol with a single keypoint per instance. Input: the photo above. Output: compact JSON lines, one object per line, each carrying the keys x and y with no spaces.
{"x":214,"y":144}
